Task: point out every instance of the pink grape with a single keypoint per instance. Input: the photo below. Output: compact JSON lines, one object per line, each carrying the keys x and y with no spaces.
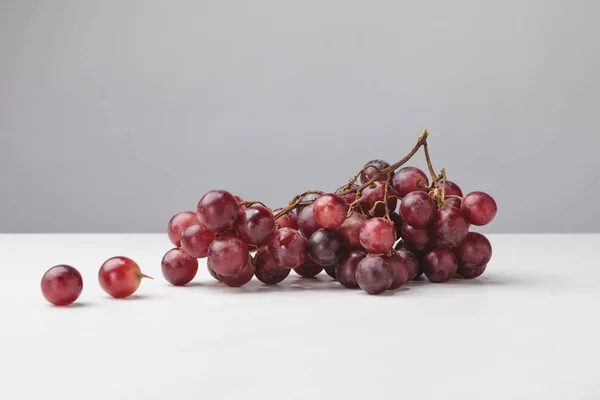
{"x":309,"y":268}
{"x":196,"y":240}
{"x":375,"y":167}
{"x":242,"y":277}
{"x":227,"y":255}
{"x":418,"y":209}
{"x":289,"y":220}
{"x":61,"y":285}
{"x":346,"y":270}
{"x":178,"y":268}
{"x":330,"y":210}
{"x":218,"y":210}
{"x":378,"y":235}
{"x":178,"y":224}
{"x":288,"y":246}
{"x":479,"y":208}
{"x":407,"y":179}
{"x":307,"y":224}
{"x":474,"y":252}
{"x":451,"y":227}
{"x":439,"y":264}
{"x":350,"y":230}
{"x":255,"y":225}
{"x":373,"y":275}
{"x":375,"y":193}
{"x":267,"y":271}
{"x":417,"y":239}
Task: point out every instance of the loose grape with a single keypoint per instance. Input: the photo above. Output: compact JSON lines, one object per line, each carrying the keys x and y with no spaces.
{"x":62,"y":285}
{"x":120,"y":276}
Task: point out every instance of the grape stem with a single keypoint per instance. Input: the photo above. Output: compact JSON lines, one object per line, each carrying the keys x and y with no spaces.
{"x":252,"y":202}
{"x":295,"y":202}
{"x":141,"y":275}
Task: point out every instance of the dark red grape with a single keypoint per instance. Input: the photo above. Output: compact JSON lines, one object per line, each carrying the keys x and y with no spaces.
{"x":348,"y":197}
{"x":120,"y":276}
{"x":211,"y":272}
{"x":407,"y":179}
{"x":418,"y":209}
{"x":374,"y":193}
{"x":373,"y":275}
{"x":470,"y":273}
{"x":410,"y":260}
{"x":307,"y":224}
{"x":287,"y":247}
{"x":309,"y":268}
{"x":255,"y":225}
{"x":378,"y":235}
{"x":330,"y":210}
{"x":453,"y":202}
{"x":178,"y":224}
{"x":326,"y":247}
{"x":289,"y":220}
{"x":439,"y":264}
{"x":305,"y":199}
{"x":267,"y":271}
{"x":346,"y":270}
{"x":62,"y":285}
{"x":450,"y":189}
{"x":196,"y":240}
{"x":227,"y":255}
{"x":218,"y":210}
{"x":475,"y":251}
{"x":400,"y":270}
{"x":450,"y":226}
{"x":376,"y":166}
{"x":178,"y":268}
{"x":479,"y":208}
{"x":417,"y":239}
{"x":350,"y":230}
{"x":397,"y":220}
{"x":330,"y":270}
{"x":242,"y":277}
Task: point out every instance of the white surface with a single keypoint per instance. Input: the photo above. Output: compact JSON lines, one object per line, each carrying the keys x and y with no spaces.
{"x":527,"y":329}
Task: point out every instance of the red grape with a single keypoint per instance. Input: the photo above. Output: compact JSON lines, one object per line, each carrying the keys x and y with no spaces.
{"x":475,"y":251}
{"x":373,"y":275}
{"x":330,"y":270}
{"x":346,"y":271}
{"x":479,"y":208}
{"x":211,"y":272}
{"x":350,"y":230}
{"x":439,"y":264}
{"x":348,"y":197}
{"x":450,"y":189}
{"x":326,"y":247}
{"x":120,"y":276}
{"x":330,"y":210}
{"x":418,"y":209}
{"x":62,"y":285}
{"x":470,"y":273}
{"x":218,"y":210}
{"x":287,"y":247}
{"x":370,"y":172}
{"x":227,"y":255}
{"x":178,"y":268}
{"x":178,"y":224}
{"x":255,"y":225}
{"x":407,"y":179}
{"x":196,"y":240}
{"x":400,"y":270}
{"x":309,"y":268}
{"x":374,"y":193}
{"x":417,"y":239}
{"x":451,"y":227}
{"x":410,"y":259}
{"x":305,"y":199}
{"x":242,"y":277}
{"x":289,"y":220}
{"x":267,"y":270}
{"x":378,"y":235}
{"x":453,"y":202}
{"x":307,"y":224}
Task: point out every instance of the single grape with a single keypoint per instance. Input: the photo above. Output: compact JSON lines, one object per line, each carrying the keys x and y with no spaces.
{"x":418,"y":209}
{"x":346,"y":270}
{"x":348,"y":197}
{"x":178,"y":268}
{"x":289,"y":220}
{"x":408,"y":180}
{"x":474,"y":252}
{"x":218,"y":210}
{"x":470,"y":273}
{"x":350,"y":230}
{"x":211,"y":272}
{"x":309,"y":268}
{"x":374,"y":193}
{"x":120,"y":276}
{"x":196,"y":240}
{"x":255,"y":225}
{"x":397,"y":221}
{"x":450,"y":226}
{"x":453,"y":202}
{"x":330,"y":210}
{"x":326,"y":247}
{"x":417,"y":239}
{"x":439,"y":264}
{"x":330,"y":270}
{"x":479,"y":208}
{"x":378,"y":235}
{"x":400,"y":270}
{"x":411,"y":260}
{"x":307,"y":224}
{"x":267,"y":270}
{"x":375,"y":167}
{"x":227,"y":255}
{"x":242,"y":277}
{"x":373,"y":275}
{"x":450,"y":189}
{"x":305,"y":199}
{"x":178,"y":224}
{"x":62,"y":285}
{"x":287,"y":247}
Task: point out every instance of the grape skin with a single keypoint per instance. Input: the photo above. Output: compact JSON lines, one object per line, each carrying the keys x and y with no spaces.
{"x":417,"y":239}
{"x":309,"y":268}
{"x":407,"y":179}
{"x":439,"y":264}
{"x":255,"y":225}
{"x":378,"y":235}
{"x":346,"y":271}
{"x":474,"y":252}
{"x":348,"y":197}
{"x":307,"y":224}
{"x":267,"y":271}
{"x":287,"y":247}
{"x":330,"y":210}
{"x":479,"y":208}
{"x":400,"y":270}
{"x":241,"y":277}
{"x":178,"y":268}
{"x":377,"y":166}
{"x":196,"y":240}
{"x":374,"y":193}
{"x":450,"y":226}
{"x":228,"y":254}
{"x":418,"y":209}
{"x":218,"y":210}
{"x":326,"y":247}
{"x":373,"y":275}
{"x":350,"y":230}
{"x":289,"y":220}
{"x":179,"y":223}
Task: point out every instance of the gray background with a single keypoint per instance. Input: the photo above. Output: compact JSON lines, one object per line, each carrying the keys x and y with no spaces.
{"x":116,"y":114}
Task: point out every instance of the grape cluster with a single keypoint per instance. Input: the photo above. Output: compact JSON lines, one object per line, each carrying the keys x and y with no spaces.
{"x":358,"y":234}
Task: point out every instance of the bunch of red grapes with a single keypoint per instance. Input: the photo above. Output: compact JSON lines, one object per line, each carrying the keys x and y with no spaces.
{"x":358,"y":235}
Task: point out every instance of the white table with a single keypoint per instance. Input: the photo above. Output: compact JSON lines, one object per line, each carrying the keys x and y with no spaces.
{"x":527,"y":329}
